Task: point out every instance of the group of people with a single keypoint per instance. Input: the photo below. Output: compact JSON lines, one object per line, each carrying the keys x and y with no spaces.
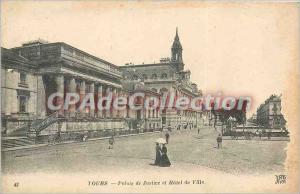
{"x":261,"y":133}
{"x":186,"y":126}
{"x":162,"y":158}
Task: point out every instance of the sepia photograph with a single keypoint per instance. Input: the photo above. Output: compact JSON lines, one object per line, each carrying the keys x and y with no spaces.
{"x":149,"y":96}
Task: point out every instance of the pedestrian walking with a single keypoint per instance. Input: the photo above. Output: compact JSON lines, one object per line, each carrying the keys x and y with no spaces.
{"x":84,"y":137}
{"x":111,"y":142}
{"x":198,"y":130}
{"x":164,"y":160}
{"x":219,"y":141}
{"x":158,"y":154}
{"x":167,"y":137}
{"x":259,"y":135}
{"x":169,"y":128}
{"x":58,"y":137}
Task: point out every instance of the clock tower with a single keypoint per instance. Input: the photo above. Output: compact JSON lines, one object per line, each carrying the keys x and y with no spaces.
{"x":177,"y":52}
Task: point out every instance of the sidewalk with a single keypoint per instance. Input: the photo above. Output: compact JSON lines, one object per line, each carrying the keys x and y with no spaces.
{"x":69,"y":142}
{"x":12,"y":137}
{"x":257,"y":138}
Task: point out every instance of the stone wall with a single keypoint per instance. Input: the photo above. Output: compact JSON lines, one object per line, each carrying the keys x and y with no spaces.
{"x":9,"y":92}
{"x":83,"y":126}
{"x":74,"y":130}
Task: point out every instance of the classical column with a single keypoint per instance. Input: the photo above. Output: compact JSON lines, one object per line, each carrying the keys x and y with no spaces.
{"x":82,"y":95}
{"x":92,"y":91}
{"x":8,"y":93}
{"x":99,"y":96}
{"x":121,"y":112}
{"x":59,"y":81}
{"x":145,"y":110}
{"x":108,"y":111}
{"x":115,"y":95}
{"x":8,"y":98}
{"x":126,"y":110}
{"x":72,"y":89}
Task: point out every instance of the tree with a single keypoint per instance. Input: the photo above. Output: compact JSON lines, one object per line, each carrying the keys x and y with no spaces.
{"x":239,"y":115}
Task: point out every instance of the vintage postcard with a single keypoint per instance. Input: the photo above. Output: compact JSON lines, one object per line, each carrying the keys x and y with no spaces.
{"x":149,"y":96}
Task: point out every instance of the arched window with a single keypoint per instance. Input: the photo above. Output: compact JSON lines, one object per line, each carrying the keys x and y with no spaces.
{"x":154,"y":76}
{"x":163,"y":90}
{"x":164,"y":76}
{"x":154,"y":89}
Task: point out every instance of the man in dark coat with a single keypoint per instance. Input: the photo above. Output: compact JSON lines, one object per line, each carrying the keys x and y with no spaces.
{"x":111,"y":142}
{"x":167,"y":137}
{"x":219,"y":141}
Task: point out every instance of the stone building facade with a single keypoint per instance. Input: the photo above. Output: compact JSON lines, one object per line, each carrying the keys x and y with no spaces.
{"x":169,"y":76}
{"x":269,"y":113}
{"x":19,"y":91}
{"x":146,"y":119}
{"x":56,"y":67}
{"x":32,"y":72}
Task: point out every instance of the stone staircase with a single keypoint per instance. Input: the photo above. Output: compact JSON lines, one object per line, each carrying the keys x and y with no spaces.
{"x":39,"y":125}
{"x":20,"y":132}
{"x":17,"y":138}
{"x":12,"y":142}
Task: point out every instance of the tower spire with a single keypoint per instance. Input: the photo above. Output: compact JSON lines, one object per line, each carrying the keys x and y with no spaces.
{"x":176,"y":42}
{"x":176,"y":36}
{"x":176,"y":48}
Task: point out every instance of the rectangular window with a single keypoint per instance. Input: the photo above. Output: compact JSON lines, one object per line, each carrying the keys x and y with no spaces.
{"x":23,"y":78}
{"x":127,"y":112}
{"x":22,"y":104}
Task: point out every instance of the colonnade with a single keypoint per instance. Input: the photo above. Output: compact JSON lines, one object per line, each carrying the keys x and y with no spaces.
{"x":65,"y":84}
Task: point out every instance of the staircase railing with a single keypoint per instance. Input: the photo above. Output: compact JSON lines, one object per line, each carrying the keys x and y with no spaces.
{"x":38,"y":125}
{"x":20,"y":131}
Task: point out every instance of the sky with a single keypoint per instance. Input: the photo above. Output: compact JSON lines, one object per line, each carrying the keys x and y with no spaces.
{"x":240,"y":49}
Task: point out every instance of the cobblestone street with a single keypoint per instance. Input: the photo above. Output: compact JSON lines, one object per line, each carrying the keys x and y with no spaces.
{"x":137,"y":152}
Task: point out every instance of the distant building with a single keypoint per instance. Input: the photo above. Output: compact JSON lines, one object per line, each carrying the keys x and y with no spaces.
{"x":269,"y":113}
{"x":143,"y":120}
{"x":253,"y":119}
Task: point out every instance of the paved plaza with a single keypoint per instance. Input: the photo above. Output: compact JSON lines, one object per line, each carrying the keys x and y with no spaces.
{"x":186,"y":148}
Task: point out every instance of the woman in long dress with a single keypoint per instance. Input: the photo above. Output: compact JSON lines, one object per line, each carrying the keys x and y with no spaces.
{"x":164,"y":160}
{"x":158,"y":154}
